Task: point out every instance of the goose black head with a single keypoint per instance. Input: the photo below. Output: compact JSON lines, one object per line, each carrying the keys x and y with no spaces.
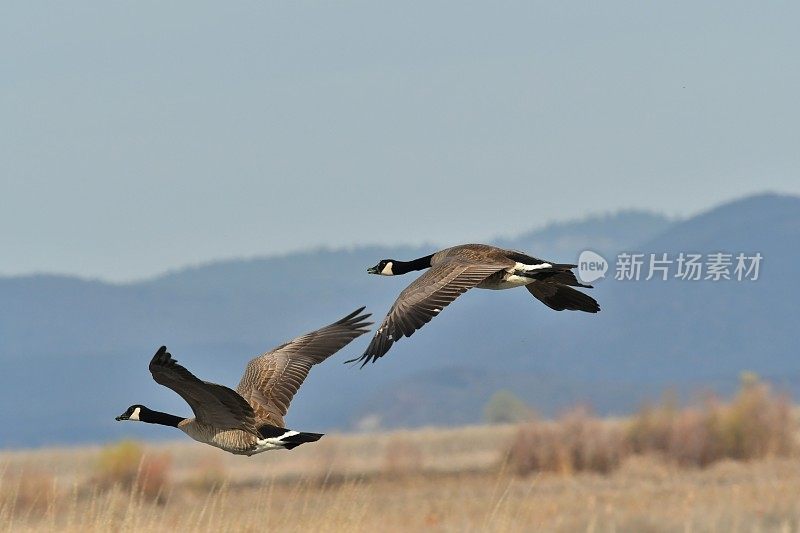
{"x":384,"y":268}
{"x":134,"y":412}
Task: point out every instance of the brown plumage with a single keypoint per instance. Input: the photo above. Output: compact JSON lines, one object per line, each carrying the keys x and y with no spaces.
{"x":212,"y":404}
{"x":453,"y":271}
{"x":249,"y":420}
{"x":425,"y":298}
{"x":271,"y":380}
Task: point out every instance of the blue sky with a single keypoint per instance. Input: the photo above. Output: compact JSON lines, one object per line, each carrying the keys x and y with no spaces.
{"x":140,"y":137}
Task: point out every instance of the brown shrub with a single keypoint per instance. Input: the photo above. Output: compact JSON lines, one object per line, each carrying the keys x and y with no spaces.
{"x":681,"y":436}
{"x":651,"y":428}
{"x":126,"y":465}
{"x":575,"y":443}
{"x":756,"y":424}
{"x":153,"y":477}
{"x":118,"y":464}
{"x":690,"y":439}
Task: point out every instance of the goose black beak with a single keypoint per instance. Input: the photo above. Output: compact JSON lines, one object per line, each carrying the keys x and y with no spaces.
{"x":373,"y":270}
{"x":120,"y":417}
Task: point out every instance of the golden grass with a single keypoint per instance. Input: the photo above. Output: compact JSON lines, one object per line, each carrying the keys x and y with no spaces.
{"x":433,"y":479}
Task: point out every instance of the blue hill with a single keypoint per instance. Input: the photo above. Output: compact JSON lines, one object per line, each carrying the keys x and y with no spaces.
{"x":74,"y":352}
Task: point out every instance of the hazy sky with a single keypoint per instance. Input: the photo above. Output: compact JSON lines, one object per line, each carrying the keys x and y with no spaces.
{"x":142,"y":136}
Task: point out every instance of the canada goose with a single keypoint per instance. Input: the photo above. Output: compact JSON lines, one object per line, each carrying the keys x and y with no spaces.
{"x":454,"y":271}
{"x":249,"y":420}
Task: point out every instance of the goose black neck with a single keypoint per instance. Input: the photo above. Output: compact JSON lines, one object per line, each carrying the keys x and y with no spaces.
{"x":157,"y":417}
{"x":401,"y":267}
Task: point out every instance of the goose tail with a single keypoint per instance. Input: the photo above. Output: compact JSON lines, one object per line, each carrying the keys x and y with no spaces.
{"x":287,"y":438}
{"x":292,"y":441}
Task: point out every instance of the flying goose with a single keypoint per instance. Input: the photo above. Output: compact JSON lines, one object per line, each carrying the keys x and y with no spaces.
{"x":249,"y":420}
{"x":453,"y":271}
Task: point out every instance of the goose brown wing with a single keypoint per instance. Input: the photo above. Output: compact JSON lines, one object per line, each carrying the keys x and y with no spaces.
{"x":271,"y":380}
{"x":211,"y":403}
{"x":424,"y":299}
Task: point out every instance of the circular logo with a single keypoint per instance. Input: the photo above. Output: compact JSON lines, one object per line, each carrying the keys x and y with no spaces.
{"x":591,"y":266}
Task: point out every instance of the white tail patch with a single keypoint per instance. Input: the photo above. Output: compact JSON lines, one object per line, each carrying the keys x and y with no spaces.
{"x":512,"y":280}
{"x":288,"y":434}
{"x":273,"y":443}
{"x":527,"y":268}
{"x":264,"y":445}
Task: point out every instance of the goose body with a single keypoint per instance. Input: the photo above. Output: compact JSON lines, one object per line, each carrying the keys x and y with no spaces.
{"x":249,"y":420}
{"x":241,"y":442}
{"x":453,"y":271}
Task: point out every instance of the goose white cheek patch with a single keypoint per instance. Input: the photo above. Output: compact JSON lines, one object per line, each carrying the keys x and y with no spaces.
{"x":387,"y":269}
{"x":135,"y":414}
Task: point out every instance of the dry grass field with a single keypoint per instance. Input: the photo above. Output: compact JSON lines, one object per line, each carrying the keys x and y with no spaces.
{"x":433,"y":479}
{"x":719,"y":466}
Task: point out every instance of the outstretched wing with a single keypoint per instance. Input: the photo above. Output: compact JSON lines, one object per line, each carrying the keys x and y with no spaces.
{"x":423,"y":300}
{"x":212,"y":404}
{"x":271,"y":380}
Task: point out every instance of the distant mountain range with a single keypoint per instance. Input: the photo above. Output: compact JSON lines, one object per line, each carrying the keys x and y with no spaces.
{"x":74,"y":352}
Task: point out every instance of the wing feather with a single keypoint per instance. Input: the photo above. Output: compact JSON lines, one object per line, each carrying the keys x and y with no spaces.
{"x":211,"y":403}
{"x":271,"y":380}
{"x":425,"y":298}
